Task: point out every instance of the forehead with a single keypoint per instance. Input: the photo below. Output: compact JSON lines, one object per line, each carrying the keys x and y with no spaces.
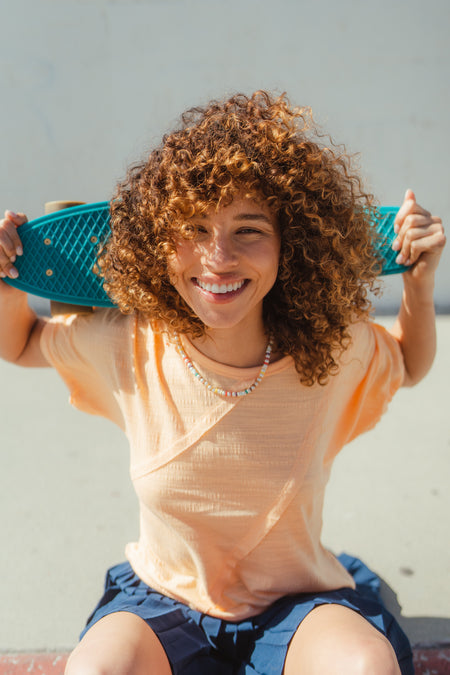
{"x":242,"y":208}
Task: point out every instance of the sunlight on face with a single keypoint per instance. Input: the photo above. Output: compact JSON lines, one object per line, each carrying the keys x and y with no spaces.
{"x":228,"y":267}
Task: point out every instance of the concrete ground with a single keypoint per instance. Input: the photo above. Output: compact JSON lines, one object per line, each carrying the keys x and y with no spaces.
{"x":67,"y":509}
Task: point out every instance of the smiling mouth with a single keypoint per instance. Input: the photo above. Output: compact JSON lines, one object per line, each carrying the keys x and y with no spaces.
{"x":220,"y":289}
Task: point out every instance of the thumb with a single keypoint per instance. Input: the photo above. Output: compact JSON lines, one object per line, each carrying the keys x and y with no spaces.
{"x":409,"y":194}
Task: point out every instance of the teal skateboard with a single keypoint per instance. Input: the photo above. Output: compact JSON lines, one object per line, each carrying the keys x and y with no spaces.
{"x":60,"y":251}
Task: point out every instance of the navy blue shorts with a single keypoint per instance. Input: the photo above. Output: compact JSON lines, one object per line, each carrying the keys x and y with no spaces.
{"x":198,"y":644}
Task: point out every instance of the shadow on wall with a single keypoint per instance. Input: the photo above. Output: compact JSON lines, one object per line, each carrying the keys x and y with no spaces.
{"x":416,"y":627}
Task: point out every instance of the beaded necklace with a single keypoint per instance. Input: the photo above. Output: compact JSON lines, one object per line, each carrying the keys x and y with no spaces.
{"x":218,"y":390}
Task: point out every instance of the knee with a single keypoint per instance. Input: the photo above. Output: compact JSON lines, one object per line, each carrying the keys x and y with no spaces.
{"x":353,"y":656}
{"x":95,"y":662}
{"x":372,"y":657}
{"x":97,"y":657}
{"x":78,"y":665}
{"x":368,"y":657}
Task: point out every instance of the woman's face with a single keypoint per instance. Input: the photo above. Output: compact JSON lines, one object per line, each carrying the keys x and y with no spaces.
{"x":227,"y":269}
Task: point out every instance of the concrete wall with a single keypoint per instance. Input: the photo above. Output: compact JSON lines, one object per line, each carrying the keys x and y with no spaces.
{"x":88,"y":85}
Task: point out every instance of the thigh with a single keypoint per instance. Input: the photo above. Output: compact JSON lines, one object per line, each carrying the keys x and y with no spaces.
{"x":119,"y":644}
{"x":333,"y":639}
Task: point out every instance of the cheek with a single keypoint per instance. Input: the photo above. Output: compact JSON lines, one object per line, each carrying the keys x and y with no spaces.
{"x":184,"y":256}
{"x":178,"y":262}
{"x":173,"y":269}
{"x":273,"y":263}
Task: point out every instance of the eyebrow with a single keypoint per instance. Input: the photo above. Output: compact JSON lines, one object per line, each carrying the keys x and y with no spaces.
{"x":246,"y":217}
{"x":252,"y":216}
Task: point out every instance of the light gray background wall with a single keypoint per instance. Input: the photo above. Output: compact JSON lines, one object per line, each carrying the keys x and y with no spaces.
{"x":88,"y":85}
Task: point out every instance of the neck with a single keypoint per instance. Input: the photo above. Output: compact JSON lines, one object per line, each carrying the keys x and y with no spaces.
{"x":233,"y":348}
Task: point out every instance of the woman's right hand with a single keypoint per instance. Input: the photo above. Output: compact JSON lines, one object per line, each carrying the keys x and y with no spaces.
{"x":20,"y":328}
{"x":10,"y":244}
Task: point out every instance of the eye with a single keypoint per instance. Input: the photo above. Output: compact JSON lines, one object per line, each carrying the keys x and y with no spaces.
{"x":193,"y":231}
{"x":249,"y":230}
{"x":199,"y":232}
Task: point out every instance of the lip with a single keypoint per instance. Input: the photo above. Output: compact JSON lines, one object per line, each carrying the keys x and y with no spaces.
{"x":220,"y":286}
{"x":220,"y":297}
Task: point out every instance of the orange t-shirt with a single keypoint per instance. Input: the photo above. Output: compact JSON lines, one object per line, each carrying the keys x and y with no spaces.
{"x":230,"y":490}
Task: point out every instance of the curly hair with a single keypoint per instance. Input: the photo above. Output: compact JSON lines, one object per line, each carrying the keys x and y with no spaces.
{"x":273,"y":151}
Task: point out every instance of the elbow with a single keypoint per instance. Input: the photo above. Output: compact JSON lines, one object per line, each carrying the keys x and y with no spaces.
{"x":409,"y":380}
{"x":413,"y":376}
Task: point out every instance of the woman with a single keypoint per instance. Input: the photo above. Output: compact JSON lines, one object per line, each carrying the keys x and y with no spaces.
{"x":240,"y":360}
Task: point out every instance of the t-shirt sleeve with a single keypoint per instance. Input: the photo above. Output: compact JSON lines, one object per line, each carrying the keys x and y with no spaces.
{"x":88,"y":352}
{"x":374,"y":370}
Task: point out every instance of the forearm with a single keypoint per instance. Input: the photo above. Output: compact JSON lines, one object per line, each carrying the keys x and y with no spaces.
{"x":415,"y":329}
{"x":420,"y":242}
{"x":17,"y":323}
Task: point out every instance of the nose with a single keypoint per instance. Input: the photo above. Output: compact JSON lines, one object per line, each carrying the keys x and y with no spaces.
{"x":220,"y":253}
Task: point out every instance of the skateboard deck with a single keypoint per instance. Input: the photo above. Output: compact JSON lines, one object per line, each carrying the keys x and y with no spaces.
{"x":60,"y":251}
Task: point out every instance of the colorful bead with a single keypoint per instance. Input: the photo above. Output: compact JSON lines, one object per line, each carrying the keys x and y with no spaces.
{"x":217,"y":390}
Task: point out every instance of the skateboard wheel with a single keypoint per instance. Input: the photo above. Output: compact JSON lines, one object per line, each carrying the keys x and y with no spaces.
{"x":51,"y":207}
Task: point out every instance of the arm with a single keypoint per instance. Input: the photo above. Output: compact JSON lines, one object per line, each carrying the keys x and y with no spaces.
{"x":420,"y":242}
{"x":20,"y":327}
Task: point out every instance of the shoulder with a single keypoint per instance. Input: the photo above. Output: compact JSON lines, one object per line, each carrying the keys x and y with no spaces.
{"x":367,"y":338}
{"x":102,"y":320}
{"x":90,"y":334}
{"x":373,"y":356}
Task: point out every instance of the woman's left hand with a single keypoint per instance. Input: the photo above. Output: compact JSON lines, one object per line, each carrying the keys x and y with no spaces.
{"x":420,"y":239}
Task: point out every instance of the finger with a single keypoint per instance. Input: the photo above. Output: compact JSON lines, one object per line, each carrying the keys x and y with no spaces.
{"x":9,"y":238}
{"x":17,"y":218}
{"x":408,"y":203}
{"x":409,"y":194}
{"x":411,"y":223}
{"x":416,"y":227}
{"x":7,"y":268}
{"x":426,"y":248}
{"x":10,"y":272}
{"x":420,"y":240}
{"x":408,"y":207}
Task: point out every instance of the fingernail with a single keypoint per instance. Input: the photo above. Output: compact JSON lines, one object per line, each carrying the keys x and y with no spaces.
{"x":12,"y":258}
{"x":19,"y":250}
{"x":396,"y":245}
{"x":400,"y":259}
{"x":2,"y":275}
{"x":396,"y":228}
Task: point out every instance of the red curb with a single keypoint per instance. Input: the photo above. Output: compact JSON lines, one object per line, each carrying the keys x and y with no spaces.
{"x":427,"y":661}
{"x":32,"y":664}
{"x":432,"y":660}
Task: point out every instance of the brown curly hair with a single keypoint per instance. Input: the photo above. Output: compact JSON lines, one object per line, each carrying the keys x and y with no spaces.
{"x":274,"y":152}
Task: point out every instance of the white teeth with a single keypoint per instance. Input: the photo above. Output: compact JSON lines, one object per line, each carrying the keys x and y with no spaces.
{"x":223,"y":288}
